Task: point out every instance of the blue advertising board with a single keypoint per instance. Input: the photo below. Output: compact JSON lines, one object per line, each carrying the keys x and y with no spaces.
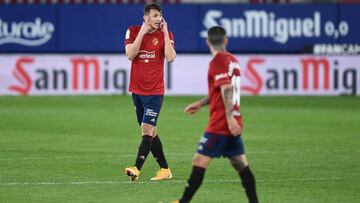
{"x":102,"y":29}
{"x":251,"y":28}
{"x":28,"y":29}
{"x":90,"y":28}
{"x":349,"y":23}
{"x":276,"y":28}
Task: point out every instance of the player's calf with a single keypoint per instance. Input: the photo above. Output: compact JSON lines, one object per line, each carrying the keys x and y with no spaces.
{"x":143,"y":151}
{"x":248,"y":182}
{"x":247,"y":178}
{"x":193,"y":183}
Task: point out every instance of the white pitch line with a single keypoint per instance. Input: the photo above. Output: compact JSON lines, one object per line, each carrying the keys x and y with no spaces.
{"x":167,"y":182}
{"x":22,"y":158}
{"x":185,"y":154}
{"x":132,"y":155}
{"x":82,"y":156}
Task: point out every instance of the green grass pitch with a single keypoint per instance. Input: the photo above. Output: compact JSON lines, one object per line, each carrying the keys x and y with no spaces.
{"x":74,"y":149}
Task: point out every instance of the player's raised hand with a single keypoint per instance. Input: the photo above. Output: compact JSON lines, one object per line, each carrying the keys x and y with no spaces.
{"x":233,"y":126}
{"x":192,"y":108}
{"x":146,"y":26}
{"x":164,"y":26}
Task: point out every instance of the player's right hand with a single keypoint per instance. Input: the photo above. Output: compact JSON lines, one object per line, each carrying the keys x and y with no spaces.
{"x":192,"y":108}
{"x":234,"y":126}
{"x":146,"y":26}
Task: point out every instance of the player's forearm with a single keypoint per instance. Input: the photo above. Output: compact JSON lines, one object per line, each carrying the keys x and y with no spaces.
{"x":204,"y":101}
{"x":170,"y":53}
{"x":227,"y":95}
{"x":133,"y":49}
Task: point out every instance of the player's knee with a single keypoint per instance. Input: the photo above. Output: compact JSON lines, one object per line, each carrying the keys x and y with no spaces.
{"x":154,"y":132}
{"x":238,"y":166}
{"x":147,"y":129}
{"x":238,"y":163}
{"x":200,"y":162}
{"x":197,"y":162}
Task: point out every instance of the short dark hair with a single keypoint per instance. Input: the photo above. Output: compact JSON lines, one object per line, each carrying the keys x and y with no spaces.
{"x":216,"y":35}
{"x":150,"y":6}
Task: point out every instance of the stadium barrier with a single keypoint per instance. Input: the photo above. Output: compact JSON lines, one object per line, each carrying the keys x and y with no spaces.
{"x":75,"y":74}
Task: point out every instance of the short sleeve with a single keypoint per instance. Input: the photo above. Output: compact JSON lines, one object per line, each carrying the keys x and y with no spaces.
{"x":129,"y":36}
{"x":220,"y":73}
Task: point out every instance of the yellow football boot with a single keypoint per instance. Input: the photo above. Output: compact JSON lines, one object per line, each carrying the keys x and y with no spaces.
{"x":132,"y":172}
{"x":163,"y":174}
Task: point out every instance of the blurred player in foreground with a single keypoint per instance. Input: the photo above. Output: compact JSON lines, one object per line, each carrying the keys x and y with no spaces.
{"x":222,"y":136}
{"x":147,"y":46}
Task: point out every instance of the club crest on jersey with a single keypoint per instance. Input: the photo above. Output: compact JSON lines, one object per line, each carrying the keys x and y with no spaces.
{"x":155,"y":41}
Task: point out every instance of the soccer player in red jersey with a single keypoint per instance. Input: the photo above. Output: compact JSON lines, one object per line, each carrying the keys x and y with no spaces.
{"x":147,"y":46}
{"x":222,"y":136}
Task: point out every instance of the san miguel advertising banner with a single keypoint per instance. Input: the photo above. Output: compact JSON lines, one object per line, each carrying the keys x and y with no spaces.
{"x":251,"y":28}
{"x":109,"y":74}
{"x":63,"y":74}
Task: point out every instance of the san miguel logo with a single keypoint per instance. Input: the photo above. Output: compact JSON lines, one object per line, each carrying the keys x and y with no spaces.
{"x":25,"y":82}
{"x":84,"y":75}
{"x":310,"y":75}
{"x":256,"y":81}
{"x":256,"y":24}
{"x":26,"y":33}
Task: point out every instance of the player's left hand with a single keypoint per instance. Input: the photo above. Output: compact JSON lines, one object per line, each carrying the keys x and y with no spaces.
{"x":164,"y":26}
{"x":192,"y":108}
{"x":234,"y":127}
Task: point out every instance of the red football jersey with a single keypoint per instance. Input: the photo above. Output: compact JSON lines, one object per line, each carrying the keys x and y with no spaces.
{"x":147,"y":68}
{"x":224,"y":69}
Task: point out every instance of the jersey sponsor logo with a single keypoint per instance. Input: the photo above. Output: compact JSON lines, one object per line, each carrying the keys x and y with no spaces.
{"x":26,"y":33}
{"x":146,"y":54}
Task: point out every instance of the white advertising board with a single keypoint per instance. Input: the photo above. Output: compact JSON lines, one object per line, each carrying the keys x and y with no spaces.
{"x":47,"y":74}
